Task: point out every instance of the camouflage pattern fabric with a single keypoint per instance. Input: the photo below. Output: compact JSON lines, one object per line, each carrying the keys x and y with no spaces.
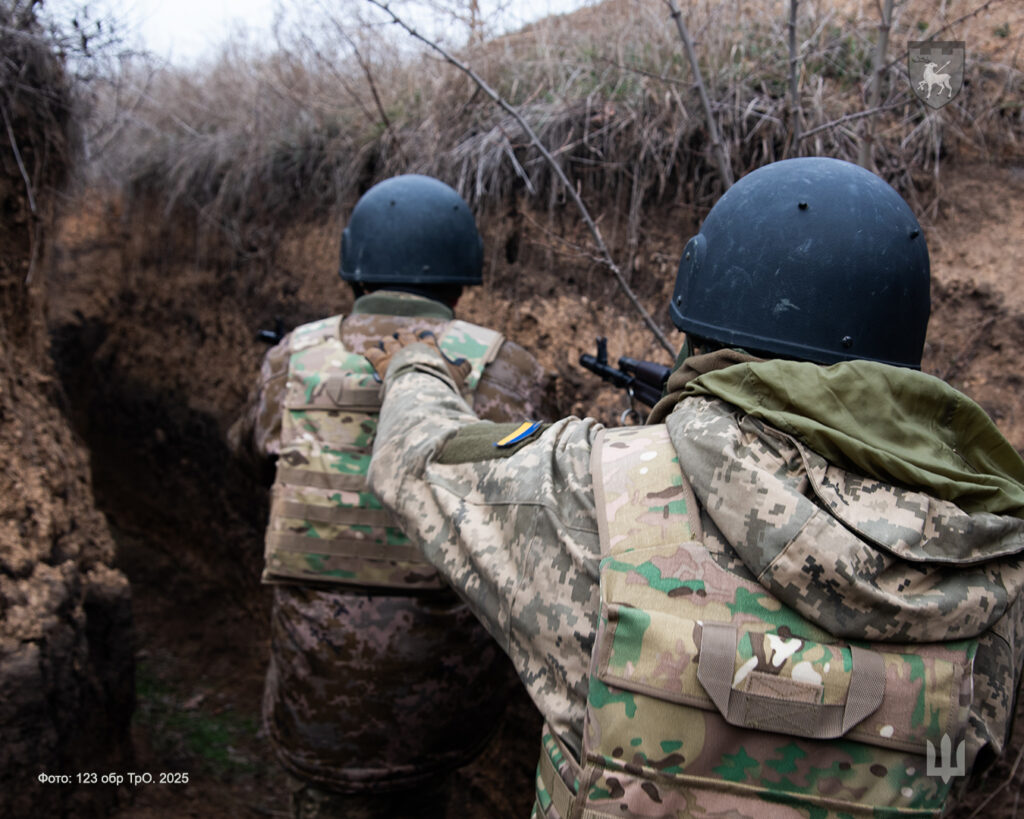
{"x":523,"y":552}
{"x":513,"y":385}
{"x":524,"y":548}
{"x":324,"y":524}
{"x":377,"y":692}
{"x":370,"y":692}
{"x":671,"y":733}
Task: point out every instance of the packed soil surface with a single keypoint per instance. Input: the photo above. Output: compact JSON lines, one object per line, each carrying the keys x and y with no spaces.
{"x":66,"y":690}
{"x":154,"y":337}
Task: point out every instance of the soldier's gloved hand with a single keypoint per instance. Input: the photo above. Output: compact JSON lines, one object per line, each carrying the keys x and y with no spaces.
{"x":380,"y":355}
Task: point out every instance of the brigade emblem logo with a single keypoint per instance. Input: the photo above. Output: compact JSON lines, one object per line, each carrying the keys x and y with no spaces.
{"x":936,"y":71}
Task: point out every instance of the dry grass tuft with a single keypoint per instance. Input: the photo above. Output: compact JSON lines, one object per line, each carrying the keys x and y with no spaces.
{"x":255,"y":140}
{"x":38,"y":132}
{"x":36,"y":123}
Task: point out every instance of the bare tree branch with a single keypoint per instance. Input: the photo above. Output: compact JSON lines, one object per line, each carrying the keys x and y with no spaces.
{"x":849,"y":117}
{"x":875,"y":94}
{"x":724,"y":168}
{"x":570,"y":189}
{"x":18,"y":159}
{"x":373,"y":90}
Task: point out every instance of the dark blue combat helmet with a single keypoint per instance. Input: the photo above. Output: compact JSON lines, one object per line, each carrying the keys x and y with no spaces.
{"x":813,"y":259}
{"x":412,"y":229}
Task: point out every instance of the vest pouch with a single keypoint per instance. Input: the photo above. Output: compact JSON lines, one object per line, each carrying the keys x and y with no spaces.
{"x":790,"y":703}
{"x":340,"y":535}
{"x":351,"y":391}
{"x":709,"y":694}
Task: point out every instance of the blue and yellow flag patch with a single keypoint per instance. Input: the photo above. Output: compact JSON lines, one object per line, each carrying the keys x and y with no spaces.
{"x":485,"y":441}
{"x":520,"y":433}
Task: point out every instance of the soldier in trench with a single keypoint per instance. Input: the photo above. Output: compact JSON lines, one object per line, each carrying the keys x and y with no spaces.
{"x":381,"y":682}
{"x":796,"y":592}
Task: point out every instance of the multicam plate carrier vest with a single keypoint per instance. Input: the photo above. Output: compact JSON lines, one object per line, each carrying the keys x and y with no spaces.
{"x":680,"y":724}
{"x":325,"y":525}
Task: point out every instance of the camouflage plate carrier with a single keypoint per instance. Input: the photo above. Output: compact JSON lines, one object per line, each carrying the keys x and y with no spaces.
{"x":710,"y":697}
{"x":325,"y":525}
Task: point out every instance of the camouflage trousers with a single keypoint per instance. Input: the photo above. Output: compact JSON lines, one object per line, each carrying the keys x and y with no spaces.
{"x":370,"y":693}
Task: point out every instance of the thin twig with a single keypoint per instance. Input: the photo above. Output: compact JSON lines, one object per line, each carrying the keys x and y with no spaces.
{"x":34,"y":232}
{"x":724,"y":168}
{"x":568,"y":186}
{"x":794,"y":88}
{"x":18,"y":159}
{"x":511,"y":154}
{"x":373,"y":90}
{"x":849,"y":117}
{"x":641,"y":72}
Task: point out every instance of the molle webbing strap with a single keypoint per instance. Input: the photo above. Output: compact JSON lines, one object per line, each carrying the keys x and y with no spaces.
{"x":333,"y":397}
{"x":316,"y":513}
{"x":320,"y":480}
{"x":782,"y":704}
{"x":562,"y":798}
{"x":342,"y":547}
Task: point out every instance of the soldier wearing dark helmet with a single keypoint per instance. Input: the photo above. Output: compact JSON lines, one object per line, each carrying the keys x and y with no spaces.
{"x":381,"y":682}
{"x":801,"y":575}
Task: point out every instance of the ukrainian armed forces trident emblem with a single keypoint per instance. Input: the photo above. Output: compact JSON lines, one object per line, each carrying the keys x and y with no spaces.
{"x":936,"y":71}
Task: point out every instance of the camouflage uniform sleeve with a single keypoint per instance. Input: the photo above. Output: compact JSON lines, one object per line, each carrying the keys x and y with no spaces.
{"x":513,"y":387}
{"x":515,"y":536}
{"x":256,"y":434}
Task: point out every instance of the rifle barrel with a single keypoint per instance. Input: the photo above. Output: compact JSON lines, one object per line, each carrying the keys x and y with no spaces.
{"x":616,"y":377}
{"x":649,"y":372}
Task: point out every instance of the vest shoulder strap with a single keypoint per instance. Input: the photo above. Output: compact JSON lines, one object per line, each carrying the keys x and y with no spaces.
{"x":478,"y":345}
{"x":641,"y":495}
{"x":315,"y":332}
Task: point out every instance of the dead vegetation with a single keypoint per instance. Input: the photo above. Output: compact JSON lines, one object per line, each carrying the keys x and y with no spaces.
{"x":36,"y":120}
{"x":253,"y":138}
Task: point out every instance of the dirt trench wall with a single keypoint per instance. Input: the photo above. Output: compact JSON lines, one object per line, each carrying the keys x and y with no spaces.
{"x":66,"y":684}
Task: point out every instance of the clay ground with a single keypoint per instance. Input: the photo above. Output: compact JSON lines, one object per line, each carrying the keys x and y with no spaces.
{"x":155,"y":347}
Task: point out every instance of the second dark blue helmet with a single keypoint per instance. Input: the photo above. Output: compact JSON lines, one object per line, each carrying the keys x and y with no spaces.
{"x":412,"y":229}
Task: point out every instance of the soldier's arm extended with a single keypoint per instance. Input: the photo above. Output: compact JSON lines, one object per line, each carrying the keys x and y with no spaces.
{"x":513,"y":530}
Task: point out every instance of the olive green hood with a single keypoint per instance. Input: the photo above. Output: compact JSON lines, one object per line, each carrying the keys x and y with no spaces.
{"x":892,"y":424}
